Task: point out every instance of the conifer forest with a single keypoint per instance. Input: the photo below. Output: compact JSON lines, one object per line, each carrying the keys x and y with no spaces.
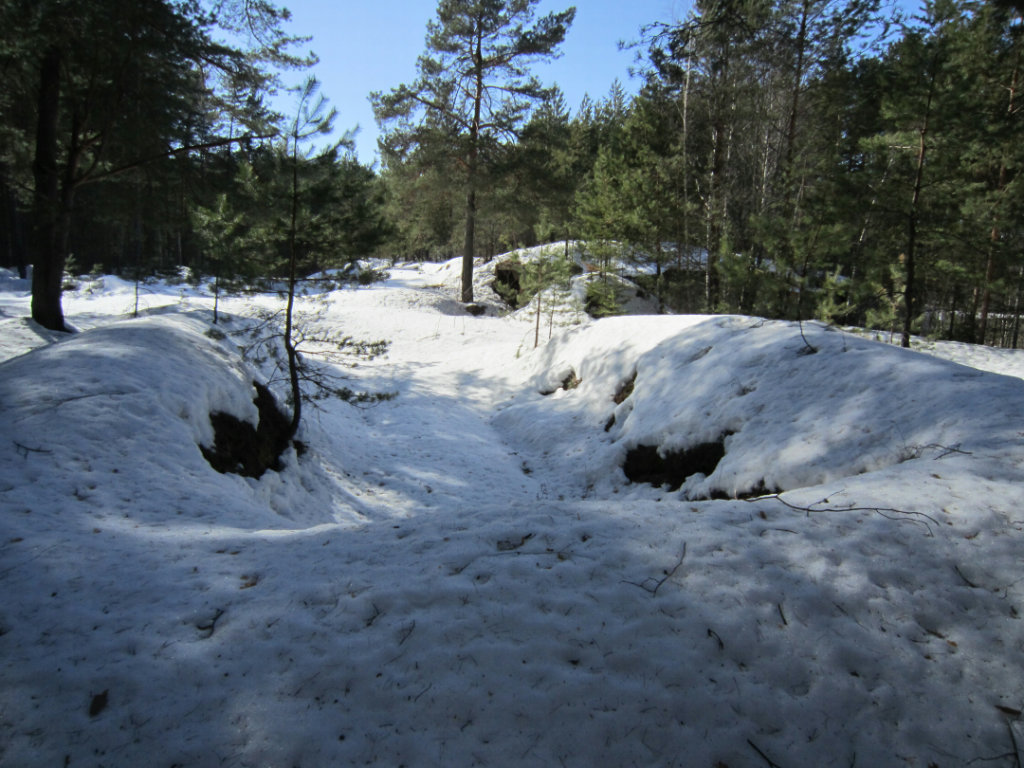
{"x":834,"y":159}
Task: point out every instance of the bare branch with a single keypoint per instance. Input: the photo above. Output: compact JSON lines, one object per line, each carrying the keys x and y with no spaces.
{"x":887,"y":512}
{"x":645,"y":585}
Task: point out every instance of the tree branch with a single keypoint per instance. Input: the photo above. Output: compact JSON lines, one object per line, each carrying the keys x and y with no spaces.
{"x":172,"y":153}
{"x":645,"y":584}
{"x":887,"y":512}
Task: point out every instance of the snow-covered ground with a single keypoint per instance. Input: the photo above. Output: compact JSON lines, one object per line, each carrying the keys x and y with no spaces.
{"x":463,"y":575}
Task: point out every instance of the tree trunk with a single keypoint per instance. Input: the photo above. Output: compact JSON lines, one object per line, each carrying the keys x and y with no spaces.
{"x":986,"y":290}
{"x":798,"y":76}
{"x":909,"y":295}
{"x":469,"y":249}
{"x":536,"y":332}
{"x":713,"y":233}
{"x":686,"y":165}
{"x":1016,"y":309}
{"x":289,"y":342}
{"x":49,"y":210}
{"x":994,"y":235}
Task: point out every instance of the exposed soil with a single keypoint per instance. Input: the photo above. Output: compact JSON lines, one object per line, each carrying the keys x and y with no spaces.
{"x":646,"y":464}
{"x":506,"y":282}
{"x":625,"y":390}
{"x":571,"y":381}
{"x":243,"y":449}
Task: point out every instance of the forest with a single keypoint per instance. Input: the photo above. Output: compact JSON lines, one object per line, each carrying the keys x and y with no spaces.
{"x":829,"y":159}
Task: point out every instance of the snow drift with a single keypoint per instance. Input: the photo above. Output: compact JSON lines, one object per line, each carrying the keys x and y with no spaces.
{"x":133,"y":398}
{"x":465,"y":576}
{"x":789,"y":411}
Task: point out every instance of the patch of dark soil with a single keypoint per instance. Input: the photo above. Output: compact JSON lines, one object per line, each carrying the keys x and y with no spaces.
{"x":625,"y":390}
{"x":506,"y":282}
{"x":476,"y":309}
{"x":758,"y":490}
{"x":242,"y":449}
{"x":571,"y":381}
{"x":645,"y":464}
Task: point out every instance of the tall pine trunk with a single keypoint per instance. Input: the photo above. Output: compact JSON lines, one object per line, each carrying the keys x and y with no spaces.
{"x":469,"y":248}
{"x":910,"y":291}
{"x":994,"y":235}
{"x":51,"y":208}
{"x":910,"y":294}
{"x":289,"y":341}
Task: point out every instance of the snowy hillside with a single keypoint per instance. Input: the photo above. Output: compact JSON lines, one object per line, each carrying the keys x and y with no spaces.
{"x":832,"y":572}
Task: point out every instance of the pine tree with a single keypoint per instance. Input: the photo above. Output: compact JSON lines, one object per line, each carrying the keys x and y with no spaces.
{"x":312,"y":118}
{"x":986,"y":50}
{"x":474,"y":79}
{"x":116,"y":87}
{"x":549,"y":168}
{"x":538,"y":276}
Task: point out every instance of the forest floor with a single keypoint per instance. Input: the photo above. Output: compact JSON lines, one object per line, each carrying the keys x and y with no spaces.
{"x":464,"y":574}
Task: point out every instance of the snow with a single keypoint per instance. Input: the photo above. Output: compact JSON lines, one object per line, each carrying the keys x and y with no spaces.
{"x":463,"y":575}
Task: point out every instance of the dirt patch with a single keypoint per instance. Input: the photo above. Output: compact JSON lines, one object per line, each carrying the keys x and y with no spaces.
{"x":506,"y":282}
{"x":625,"y":390}
{"x":243,"y":449}
{"x":571,"y":381}
{"x":623,"y":393}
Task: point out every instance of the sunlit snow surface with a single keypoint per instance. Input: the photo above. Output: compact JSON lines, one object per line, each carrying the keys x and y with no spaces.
{"x":463,"y":575}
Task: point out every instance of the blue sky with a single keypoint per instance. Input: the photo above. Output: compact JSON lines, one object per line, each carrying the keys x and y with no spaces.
{"x":373,"y":45}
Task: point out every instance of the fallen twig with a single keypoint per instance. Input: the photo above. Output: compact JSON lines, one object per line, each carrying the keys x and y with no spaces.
{"x":24,"y":450}
{"x":765,"y":757}
{"x":1013,"y":740}
{"x":967,"y":581}
{"x":889,"y":513}
{"x":211,"y":626}
{"x":645,"y":584}
{"x":406,"y":632}
{"x":712,"y":633}
{"x":947,"y":450}
{"x":420,"y":694}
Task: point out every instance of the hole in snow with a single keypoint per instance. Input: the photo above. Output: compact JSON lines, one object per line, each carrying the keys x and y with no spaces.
{"x":647,"y":464}
{"x":242,"y":449}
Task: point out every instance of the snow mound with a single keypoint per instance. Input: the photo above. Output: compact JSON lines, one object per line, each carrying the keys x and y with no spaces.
{"x":462,"y":605}
{"x":785,"y":413}
{"x":100,"y":421}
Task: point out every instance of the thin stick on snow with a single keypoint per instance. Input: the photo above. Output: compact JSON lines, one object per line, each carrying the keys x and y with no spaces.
{"x":24,"y":450}
{"x":645,"y":585}
{"x":967,"y":581}
{"x":887,"y":512}
{"x":1013,"y":740}
{"x":767,"y":759}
